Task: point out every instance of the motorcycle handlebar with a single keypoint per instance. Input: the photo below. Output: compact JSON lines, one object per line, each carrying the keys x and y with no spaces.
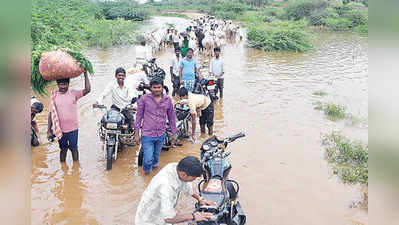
{"x":235,"y":137}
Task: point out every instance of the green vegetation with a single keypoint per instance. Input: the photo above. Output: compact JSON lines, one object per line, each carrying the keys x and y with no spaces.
{"x":74,"y":25}
{"x":174,"y":14}
{"x":349,"y":159}
{"x":124,"y":9}
{"x":280,"y":36}
{"x":280,"y":25}
{"x":320,"y":93}
{"x":334,"y":112}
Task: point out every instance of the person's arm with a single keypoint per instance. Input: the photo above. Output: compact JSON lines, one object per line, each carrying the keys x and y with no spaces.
{"x":181,"y":72}
{"x":87,"y":84}
{"x":139,"y":114}
{"x":222,"y":68}
{"x":211,"y":67}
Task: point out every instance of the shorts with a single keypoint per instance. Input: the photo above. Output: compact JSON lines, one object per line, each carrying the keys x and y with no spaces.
{"x":69,"y":141}
{"x":189,"y":85}
{"x":207,"y":116}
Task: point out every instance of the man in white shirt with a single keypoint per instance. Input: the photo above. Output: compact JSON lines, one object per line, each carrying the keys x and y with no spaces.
{"x":176,"y":39}
{"x":143,"y":53}
{"x":122,"y":96}
{"x":134,"y":80}
{"x":217,"y":70}
{"x":174,"y":71}
{"x":159,"y":200}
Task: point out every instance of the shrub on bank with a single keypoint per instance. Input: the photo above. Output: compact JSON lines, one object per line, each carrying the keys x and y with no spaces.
{"x":297,"y":10}
{"x":280,"y":36}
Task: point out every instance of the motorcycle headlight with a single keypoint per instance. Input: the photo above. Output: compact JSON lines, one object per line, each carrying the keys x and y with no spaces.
{"x":113,"y":126}
{"x":205,"y":147}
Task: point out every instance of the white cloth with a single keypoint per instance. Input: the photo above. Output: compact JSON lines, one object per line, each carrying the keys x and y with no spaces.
{"x":175,"y":64}
{"x":33,"y":100}
{"x":143,"y":54}
{"x":175,"y":38}
{"x":217,"y":67}
{"x":121,"y":97}
{"x":133,"y":80}
{"x":159,"y":199}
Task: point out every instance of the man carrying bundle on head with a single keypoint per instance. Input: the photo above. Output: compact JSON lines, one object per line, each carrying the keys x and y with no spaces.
{"x":63,"y":116}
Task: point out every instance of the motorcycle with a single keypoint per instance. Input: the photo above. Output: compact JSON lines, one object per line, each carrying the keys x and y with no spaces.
{"x":209,"y":84}
{"x":115,"y":131}
{"x":152,"y":70}
{"x":217,"y":187}
{"x":183,"y":124}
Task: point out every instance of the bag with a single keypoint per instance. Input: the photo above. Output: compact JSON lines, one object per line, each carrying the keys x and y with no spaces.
{"x":58,"y":64}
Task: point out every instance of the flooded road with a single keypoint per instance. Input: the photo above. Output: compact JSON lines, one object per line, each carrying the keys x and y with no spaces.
{"x":283,"y":176}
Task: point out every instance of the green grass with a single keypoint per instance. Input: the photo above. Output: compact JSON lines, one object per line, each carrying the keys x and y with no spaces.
{"x":320,"y":93}
{"x":349,"y":159}
{"x":174,"y":14}
{"x":334,"y":112}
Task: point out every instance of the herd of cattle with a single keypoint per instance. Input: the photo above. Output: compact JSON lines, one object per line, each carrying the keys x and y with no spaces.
{"x":213,"y":32}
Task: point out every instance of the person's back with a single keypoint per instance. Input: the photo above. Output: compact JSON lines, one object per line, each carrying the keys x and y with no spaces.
{"x":188,"y":66}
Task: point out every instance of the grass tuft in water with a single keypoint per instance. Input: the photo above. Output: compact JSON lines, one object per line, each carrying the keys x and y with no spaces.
{"x":334,"y":112}
{"x":320,"y":93}
{"x":349,"y":159}
{"x":318,"y":105}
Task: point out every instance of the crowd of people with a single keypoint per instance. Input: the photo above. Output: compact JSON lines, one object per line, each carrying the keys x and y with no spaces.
{"x":153,"y":111}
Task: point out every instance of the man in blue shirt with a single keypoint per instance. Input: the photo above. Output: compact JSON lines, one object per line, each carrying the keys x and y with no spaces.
{"x":188,"y":69}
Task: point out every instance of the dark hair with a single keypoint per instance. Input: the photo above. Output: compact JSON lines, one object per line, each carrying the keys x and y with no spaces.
{"x":120,"y":70}
{"x":142,"y":42}
{"x":177,"y":48}
{"x":38,"y":106}
{"x":183,"y":92}
{"x":156,"y":81}
{"x":191,"y":166}
{"x":217,"y":49}
{"x":62,"y":81}
{"x":190,"y":49}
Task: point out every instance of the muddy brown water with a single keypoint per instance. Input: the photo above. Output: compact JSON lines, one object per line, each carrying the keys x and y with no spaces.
{"x":283,"y":176}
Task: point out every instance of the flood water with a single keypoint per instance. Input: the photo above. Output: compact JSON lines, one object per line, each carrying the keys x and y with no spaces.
{"x":283,"y":176}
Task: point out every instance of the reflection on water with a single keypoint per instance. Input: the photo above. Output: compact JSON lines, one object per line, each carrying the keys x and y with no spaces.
{"x":283,"y":176}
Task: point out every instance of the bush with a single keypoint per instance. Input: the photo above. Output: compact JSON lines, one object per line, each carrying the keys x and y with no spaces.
{"x":334,"y":112}
{"x":349,"y":159}
{"x":280,"y":36}
{"x":128,"y":10}
{"x":297,"y":10}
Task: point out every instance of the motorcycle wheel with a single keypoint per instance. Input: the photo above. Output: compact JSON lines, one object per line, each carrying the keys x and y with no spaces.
{"x":167,"y":143}
{"x":110,"y":151}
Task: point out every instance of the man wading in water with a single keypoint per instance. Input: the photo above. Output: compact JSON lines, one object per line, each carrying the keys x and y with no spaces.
{"x":152,"y":110}
{"x":159,"y":200}
{"x":63,"y":116}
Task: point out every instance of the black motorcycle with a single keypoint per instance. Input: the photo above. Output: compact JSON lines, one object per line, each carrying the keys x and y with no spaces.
{"x":152,"y":70}
{"x":115,"y":131}
{"x":217,"y":187}
{"x":183,"y":125}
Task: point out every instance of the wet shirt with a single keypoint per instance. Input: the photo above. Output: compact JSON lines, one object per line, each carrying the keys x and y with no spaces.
{"x":143,"y":54}
{"x":175,"y":64}
{"x":188,"y":66}
{"x":133,"y":80}
{"x":121,"y":97}
{"x":151,"y":116}
{"x":175,"y":38}
{"x":217,"y":67}
{"x":159,"y":199}
{"x":67,"y":109}
{"x":197,"y":101}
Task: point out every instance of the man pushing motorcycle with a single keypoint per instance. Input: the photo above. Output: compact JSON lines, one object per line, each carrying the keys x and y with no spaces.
{"x":122,"y":96}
